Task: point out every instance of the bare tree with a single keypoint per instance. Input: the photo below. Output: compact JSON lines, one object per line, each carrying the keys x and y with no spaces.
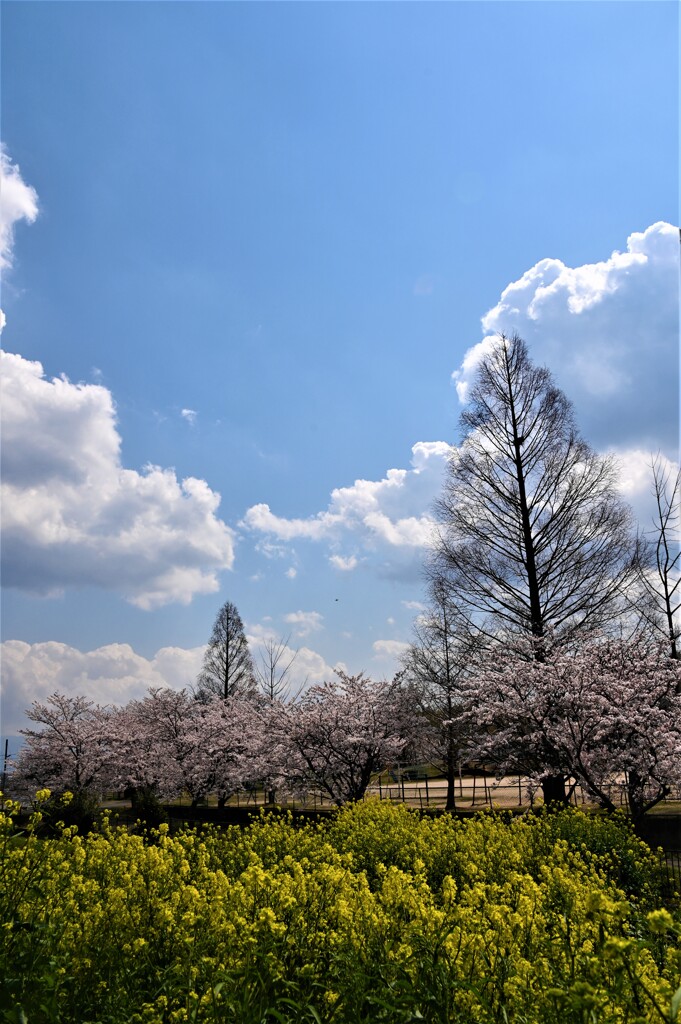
{"x":659,"y":559}
{"x":535,"y":540}
{"x":227,"y":664}
{"x":272,"y":673}
{"x":437,"y":662}
{"x":273,"y":666}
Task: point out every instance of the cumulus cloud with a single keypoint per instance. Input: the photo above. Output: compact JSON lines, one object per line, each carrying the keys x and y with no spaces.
{"x":113,"y":674}
{"x":389,"y":651}
{"x":189,"y":415}
{"x":383,"y":516}
{"x":74,"y":516}
{"x":609,"y":331}
{"x":343,"y":564}
{"x":19,"y":202}
{"x":304,"y":623}
{"x":635,"y":480}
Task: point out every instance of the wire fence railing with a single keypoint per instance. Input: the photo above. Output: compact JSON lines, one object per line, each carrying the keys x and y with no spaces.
{"x":473,"y":790}
{"x":669,"y":862}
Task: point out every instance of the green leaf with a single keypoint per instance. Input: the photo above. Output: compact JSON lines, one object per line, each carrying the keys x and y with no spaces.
{"x":675,"y":1005}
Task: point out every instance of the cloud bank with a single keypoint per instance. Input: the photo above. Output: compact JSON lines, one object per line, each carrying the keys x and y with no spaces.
{"x":113,"y":674}
{"x":381,"y":517}
{"x":75,"y":517}
{"x":609,"y":332}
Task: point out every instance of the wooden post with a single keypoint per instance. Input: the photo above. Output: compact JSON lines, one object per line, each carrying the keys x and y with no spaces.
{"x":4,"y":770}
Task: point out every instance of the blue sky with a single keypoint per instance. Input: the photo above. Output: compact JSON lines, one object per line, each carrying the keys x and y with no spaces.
{"x":266,"y":237}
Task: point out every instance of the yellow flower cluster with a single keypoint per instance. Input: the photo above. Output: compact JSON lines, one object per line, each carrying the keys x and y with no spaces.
{"x":378,"y":915}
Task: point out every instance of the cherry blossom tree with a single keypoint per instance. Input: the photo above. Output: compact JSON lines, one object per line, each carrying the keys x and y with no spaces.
{"x":152,"y":739}
{"x":72,"y":750}
{"x":341,"y":733}
{"x":226,"y":748}
{"x":606,"y":715}
{"x":170,"y":743}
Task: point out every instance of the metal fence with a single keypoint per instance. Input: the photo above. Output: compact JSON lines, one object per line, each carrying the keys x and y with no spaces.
{"x":669,"y":862}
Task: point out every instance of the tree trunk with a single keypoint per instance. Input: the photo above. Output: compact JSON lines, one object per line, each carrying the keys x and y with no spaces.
{"x":451,"y":784}
{"x":553,"y":788}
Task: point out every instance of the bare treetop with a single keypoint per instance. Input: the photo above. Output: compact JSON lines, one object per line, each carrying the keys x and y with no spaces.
{"x":534,"y":535}
{"x":659,"y":558}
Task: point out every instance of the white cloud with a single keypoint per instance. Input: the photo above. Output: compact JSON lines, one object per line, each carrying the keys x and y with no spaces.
{"x":414,"y":606}
{"x":635,"y":480}
{"x":291,"y":573}
{"x":304,"y":623}
{"x":609,"y":332}
{"x":383,"y":516}
{"x":19,"y":202}
{"x":74,"y":516}
{"x":113,"y":674}
{"x":343,"y":564}
{"x":391,"y":649}
{"x":189,"y":415}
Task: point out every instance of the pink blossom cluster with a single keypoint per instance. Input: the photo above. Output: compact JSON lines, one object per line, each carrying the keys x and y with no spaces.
{"x":331,"y":741}
{"x":606,"y":715}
